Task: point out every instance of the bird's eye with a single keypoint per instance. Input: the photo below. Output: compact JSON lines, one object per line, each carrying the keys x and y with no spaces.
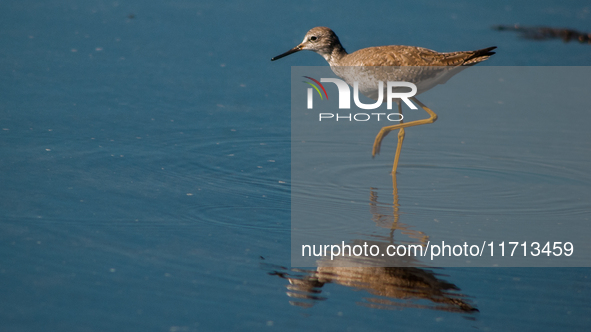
{"x":313,"y":38}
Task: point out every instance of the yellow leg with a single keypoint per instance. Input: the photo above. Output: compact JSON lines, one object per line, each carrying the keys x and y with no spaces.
{"x":398,"y":148}
{"x":400,"y":141}
{"x":385,"y":130}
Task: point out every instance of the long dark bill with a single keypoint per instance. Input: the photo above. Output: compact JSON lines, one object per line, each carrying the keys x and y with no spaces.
{"x":293,"y":50}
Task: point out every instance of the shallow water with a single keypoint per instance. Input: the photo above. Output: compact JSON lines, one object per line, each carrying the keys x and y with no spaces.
{"x":145,"y":167}
{"x":503,"y":189}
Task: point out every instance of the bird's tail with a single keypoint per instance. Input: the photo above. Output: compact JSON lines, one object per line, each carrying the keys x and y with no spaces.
{"x":480,"y":55}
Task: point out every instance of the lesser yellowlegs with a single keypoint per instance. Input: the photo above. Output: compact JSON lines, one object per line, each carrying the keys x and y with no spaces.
{"x":325,"y":42}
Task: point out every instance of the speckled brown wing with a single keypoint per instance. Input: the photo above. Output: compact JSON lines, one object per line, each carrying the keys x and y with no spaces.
{"x":424,"y":67}
{"x":464,"y":58}
{"x":398,"y":55}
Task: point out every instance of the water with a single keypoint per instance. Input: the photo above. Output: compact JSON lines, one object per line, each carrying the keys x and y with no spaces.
{"x":145,"y":167}
{"x":528,"y":195}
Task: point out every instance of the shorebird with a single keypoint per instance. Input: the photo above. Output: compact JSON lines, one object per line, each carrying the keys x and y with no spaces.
{"x":435,"y":68}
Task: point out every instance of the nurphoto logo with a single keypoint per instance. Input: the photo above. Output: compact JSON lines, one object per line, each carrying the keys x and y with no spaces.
{"x":345,"y":98}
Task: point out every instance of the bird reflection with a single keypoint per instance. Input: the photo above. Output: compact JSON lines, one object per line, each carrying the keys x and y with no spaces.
{"x":388,"y":282}
{"x":384,"y":219}
{"x":389,"y":285}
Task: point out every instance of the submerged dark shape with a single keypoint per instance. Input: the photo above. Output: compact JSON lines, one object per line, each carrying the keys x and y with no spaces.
{"x":545,"y":33}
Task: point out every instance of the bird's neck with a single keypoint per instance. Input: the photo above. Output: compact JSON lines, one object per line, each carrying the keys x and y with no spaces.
{"x":335,"y":56}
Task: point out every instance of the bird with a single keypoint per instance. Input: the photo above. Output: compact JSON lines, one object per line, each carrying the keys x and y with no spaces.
{"x":425,"y":67}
